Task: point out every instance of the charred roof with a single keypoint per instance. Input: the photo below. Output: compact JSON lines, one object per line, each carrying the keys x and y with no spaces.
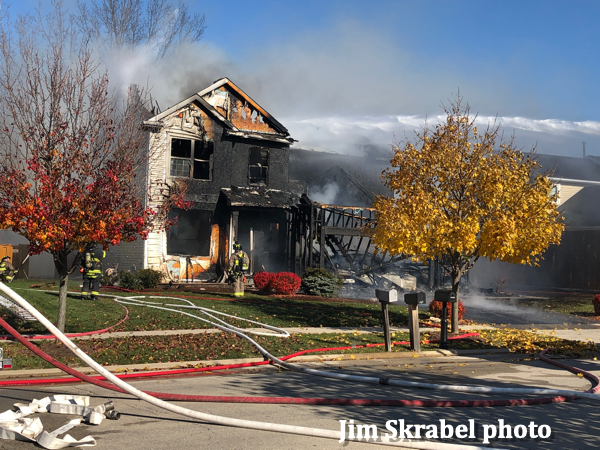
{"x":259,"y":197}
{"x":235,"y":110}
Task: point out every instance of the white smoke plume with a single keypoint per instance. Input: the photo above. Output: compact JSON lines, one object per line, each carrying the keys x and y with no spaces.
{"x":325,"y":194}
{"x":339,"y":88}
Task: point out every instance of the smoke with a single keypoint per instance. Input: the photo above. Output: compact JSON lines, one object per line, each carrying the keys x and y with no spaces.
{"x":347,"y":134}
{"x":339,"y":88}
{"x":499,"y":311}
{"x":326,"y":194}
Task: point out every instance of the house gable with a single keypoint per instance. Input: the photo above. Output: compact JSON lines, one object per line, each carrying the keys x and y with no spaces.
{"x":239,"y":115}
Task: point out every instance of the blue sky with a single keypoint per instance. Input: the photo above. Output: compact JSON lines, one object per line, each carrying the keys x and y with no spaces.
{"x":343,"y":73}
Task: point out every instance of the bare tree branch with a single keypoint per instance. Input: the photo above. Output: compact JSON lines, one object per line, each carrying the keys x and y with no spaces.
{"x":158,"y":24}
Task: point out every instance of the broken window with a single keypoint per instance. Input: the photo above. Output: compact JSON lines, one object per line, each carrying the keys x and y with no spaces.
{"x":191,"y":234}
{"x":191,"y":158}
{"x":258,"y":168}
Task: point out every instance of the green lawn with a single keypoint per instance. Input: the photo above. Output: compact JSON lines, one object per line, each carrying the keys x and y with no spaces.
{"x":85,"y":315}
{"x":577,"y":304}
{"x":215,"y":346}
{"x":202,"y":347}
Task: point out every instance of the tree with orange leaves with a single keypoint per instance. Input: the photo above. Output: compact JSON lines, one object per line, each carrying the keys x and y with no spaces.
{"x":461,"y":195}
{"x":74,"y":157}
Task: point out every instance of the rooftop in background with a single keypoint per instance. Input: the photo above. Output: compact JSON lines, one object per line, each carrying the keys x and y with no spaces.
{"x":569,"y":168}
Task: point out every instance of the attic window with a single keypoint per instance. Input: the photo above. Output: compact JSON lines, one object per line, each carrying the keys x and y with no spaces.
{"x":258,"y":167}
{"x":191,"y":159}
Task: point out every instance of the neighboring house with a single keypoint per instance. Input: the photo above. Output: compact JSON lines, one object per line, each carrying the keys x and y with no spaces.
{"x":234,"y":156}
{"x":574,"y":263}
{"x":575,"y":179}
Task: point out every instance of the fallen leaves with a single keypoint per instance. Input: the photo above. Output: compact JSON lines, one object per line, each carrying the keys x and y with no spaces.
{"x":522,"y":341}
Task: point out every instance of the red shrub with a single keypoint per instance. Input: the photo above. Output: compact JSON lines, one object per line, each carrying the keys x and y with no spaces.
{"x":435,"y":308}
{"x":263,"y":281}
{"x":596,"y":303}
{"x":286,"y":283}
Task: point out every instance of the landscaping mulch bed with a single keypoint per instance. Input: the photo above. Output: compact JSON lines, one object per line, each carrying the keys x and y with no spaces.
{"x":223,"y":288}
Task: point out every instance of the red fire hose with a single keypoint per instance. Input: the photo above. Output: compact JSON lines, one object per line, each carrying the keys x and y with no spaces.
{"x":291,"y":400}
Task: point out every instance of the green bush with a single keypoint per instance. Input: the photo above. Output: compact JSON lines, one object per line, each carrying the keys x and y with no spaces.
{"x":321,"y":282}
{"x":149,"y":278}
{"x":127,"y":280}
{"x":141,"y":279}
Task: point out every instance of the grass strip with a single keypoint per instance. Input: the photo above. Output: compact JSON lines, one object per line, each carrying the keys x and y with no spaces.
{"x":209,"y":346}
{"x":85,"y":315}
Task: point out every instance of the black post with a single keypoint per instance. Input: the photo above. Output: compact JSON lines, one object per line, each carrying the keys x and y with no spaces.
{"x":386,"y":327}
{"x":444,"y":329}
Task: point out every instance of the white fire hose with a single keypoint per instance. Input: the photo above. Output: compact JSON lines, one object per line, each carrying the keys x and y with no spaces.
{"x":340,"y":376}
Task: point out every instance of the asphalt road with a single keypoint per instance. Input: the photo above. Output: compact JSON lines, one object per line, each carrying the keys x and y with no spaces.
{"x":144,"y":426}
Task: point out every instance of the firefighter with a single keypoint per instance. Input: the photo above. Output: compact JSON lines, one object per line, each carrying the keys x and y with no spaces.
{"x":7,"y":270}
{"x":238,"y":265}
{"x":91,"y":268}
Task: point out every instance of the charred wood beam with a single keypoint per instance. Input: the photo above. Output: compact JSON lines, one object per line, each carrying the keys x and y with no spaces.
{"x":358,"y":249}
{"x":331,"y":245}
{"x":341,"y":248}
{"x":341,"y":231}
{"x":392,"y":261}
{"x":362,"y":261}
{"x":373,"y":258}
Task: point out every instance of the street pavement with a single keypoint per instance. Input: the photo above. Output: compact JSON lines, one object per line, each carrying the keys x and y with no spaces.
{"x":144,"y":426}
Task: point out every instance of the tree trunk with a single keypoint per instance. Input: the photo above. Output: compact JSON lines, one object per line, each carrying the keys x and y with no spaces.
{"x":454,"y":325}
{"x":62,"y":295}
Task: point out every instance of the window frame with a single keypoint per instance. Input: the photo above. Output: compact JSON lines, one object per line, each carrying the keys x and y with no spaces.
{"x":192,"y":159}
{"x":268,"y":162}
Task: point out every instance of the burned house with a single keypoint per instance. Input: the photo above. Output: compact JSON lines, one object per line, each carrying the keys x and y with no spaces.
{"x":236,"y":161}
{"x":353,"y":180}
{"x":293,"y":208}
{"x":233,"y":155}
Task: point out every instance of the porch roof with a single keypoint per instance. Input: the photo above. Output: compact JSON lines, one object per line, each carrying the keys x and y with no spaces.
{"x":259,"y":196}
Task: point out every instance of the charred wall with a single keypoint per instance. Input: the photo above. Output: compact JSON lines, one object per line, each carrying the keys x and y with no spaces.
{"x":194,"y":247}
{"x":230,"y":167}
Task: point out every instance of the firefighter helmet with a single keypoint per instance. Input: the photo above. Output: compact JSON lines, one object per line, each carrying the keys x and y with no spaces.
{"x":6,"y":257}
{"x":237,"y":246}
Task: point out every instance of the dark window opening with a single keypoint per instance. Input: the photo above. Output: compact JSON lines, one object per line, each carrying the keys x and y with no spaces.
{"x":181,"y":148}
{"x":191,"y":234}
{"x":201,"y":170}
{"x":258,"y":168}
{"x":192,"y":159}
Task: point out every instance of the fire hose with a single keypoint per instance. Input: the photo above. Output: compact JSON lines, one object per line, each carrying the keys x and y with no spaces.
{"x":371,"y":380}
{"x":260,"y":425}
{"x":292,"y":400}
{"x":347,"y":377}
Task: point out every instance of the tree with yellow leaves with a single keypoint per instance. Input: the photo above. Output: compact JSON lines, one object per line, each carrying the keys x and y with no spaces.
{"x":461,"y":195}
